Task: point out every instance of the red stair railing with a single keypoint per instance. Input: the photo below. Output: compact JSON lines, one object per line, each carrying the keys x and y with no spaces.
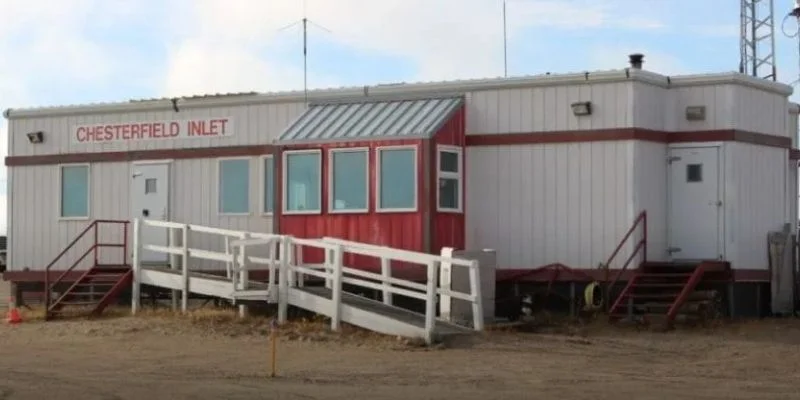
{"x":641,"y":245}
{"x":96,"y":245}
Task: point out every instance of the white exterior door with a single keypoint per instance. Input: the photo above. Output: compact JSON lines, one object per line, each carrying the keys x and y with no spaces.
{"x":150,"y":200}
{"x":695,"y":206}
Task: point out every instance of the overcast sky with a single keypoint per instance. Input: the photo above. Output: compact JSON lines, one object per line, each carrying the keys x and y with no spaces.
{"x":77,"y":51}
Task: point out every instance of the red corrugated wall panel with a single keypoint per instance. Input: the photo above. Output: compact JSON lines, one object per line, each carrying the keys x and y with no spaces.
{"x":400,"y":230}
{"x":448,"y":229}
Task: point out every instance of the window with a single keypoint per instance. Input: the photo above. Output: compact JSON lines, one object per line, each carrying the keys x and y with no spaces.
{"x":75,"y":191}
{"x":450,"y":177}
{"x":348,"y":180}
{"x":694,"y":173}
{"x":150,"y":185}
{"x":234,"y":186}
{"x":397,"y":179}
{"x":268,"y":167}
{"x":302,"y":182}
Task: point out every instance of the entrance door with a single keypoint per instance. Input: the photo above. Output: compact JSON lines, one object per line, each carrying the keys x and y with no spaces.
{"x":695,"y":206}
{"x":150,"y":200}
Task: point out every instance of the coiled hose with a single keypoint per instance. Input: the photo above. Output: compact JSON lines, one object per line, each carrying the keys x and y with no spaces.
{"x":592,"y":297}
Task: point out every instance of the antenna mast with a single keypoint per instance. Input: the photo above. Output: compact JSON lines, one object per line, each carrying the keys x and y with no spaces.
{"x":305,"y":21}
{"x":505,"y":42}
{"x":757,"y":40}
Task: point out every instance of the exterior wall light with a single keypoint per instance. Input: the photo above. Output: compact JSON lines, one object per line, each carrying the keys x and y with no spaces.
{"x":35,"y":137}
{"x":582,"y":108}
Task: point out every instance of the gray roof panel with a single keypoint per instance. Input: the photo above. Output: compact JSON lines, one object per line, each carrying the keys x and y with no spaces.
{"x":367,"y":120}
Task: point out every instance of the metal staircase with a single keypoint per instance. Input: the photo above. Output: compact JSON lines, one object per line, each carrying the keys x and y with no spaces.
{"x":99,"y":285}
{"x":290,"y":278}
{"x":660,"y":293}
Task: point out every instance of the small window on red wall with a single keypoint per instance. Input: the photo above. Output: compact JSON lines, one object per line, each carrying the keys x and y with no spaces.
{"x":450,"y":179}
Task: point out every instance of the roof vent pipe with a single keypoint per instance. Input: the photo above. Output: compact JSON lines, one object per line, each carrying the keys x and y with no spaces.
{"x":636,"y":60}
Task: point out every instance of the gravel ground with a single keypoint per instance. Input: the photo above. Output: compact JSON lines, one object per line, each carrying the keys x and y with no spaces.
{"x":212,"y":355}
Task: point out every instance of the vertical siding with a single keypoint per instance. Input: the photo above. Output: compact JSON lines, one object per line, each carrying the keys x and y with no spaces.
{"x":650,"y":194}
{"x":447,"y":228}
{"x":38,"y":235}
{"x":650,"y":106}
{"x":755,"y":179}
{"x":719,"y":102}
{"x":550,"y":203}
{"x":544,"y":109}
{"x":399,"y":230}
{"x":760,"y":111}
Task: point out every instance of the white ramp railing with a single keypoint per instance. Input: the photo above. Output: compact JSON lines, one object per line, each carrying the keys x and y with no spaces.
{"x":287,"y":270}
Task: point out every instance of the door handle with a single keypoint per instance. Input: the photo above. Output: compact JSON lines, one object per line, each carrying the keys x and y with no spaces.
{"x":717,"y":203}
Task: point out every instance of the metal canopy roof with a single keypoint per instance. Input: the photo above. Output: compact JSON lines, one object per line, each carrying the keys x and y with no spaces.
{"x":368,"y":120}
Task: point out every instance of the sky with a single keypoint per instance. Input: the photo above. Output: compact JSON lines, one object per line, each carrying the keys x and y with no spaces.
{"x":56,"y":52}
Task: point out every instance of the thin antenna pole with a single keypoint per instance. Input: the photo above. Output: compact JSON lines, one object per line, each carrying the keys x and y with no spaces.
{"x":305,"y":59}
{"x":505,"y":42}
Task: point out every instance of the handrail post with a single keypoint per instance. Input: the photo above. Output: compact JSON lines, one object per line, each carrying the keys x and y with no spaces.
{"x":96,"y":241}
{"x":477,"y":302}
{"x":185,"y":269}
{"x":272,"y":285}
{"x":430,"y":302}
{"x":136,"y":286}
{"x":228,"y":265}
{"x":173,"y":236}
{"x":283,"y":280}
{"x":244,"y":275}
{"x":336,"y":296}
{"x":386,"y":273}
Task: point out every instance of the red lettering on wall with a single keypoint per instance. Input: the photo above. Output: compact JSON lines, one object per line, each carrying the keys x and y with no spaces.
{"x":139,"y":131}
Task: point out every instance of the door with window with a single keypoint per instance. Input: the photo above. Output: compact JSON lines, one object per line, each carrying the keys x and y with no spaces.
{"x":695,"y":204}
{"x":150,"y":200}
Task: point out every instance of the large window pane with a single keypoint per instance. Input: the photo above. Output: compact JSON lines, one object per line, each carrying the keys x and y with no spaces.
{"x":349,"y":185}
{"x":234,"y":186}
{"x":75,"y":191}
{"x":397,"y":179}
{"x":269,"y":185}
{"x":302,"y":182}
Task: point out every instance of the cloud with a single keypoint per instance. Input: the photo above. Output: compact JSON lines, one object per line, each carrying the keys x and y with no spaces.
{"x":238,"y":45}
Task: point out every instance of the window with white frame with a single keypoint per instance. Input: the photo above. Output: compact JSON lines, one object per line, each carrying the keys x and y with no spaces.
{"x":302,"y":182}
{"x":348,"y":180}
{"x":268,"y":169}
{"x":234,"y":186}
{"x":450,"y":175}
{"x":74,"y":191}
{"x":397,"y":178}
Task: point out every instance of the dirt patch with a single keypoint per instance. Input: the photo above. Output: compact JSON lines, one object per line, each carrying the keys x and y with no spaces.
{"x":213,"y":354}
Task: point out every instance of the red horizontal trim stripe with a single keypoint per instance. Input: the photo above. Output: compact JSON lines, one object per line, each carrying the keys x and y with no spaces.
{"x":139,"y":155}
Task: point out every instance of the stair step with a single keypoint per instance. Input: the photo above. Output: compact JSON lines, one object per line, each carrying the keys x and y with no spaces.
{"x":77,"y":303}
{"x":653,"y":295}
{"x":105,"y":276}
{"x":95,"y":284}
{"x":658,"y":285}
{"x":665,"y":275}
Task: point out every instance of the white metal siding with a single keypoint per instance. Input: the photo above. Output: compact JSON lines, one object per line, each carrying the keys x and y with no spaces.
{"x":755,"y":201}
{"x":759,"y":111}
{"x":650,"y":106}
{"x":544,"y":109}
{"x":549,"y":203}
{"x":252,"y":125}
{"x":38,"y":235}
{"x":719,"y":103}
{"x":650,"y":194}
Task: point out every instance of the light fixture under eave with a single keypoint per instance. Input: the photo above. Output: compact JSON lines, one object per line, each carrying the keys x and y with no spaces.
{"x":582,"y":108}
{"x":35,"y":137}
